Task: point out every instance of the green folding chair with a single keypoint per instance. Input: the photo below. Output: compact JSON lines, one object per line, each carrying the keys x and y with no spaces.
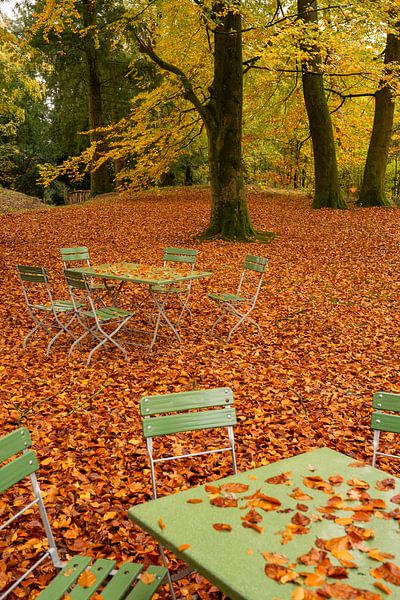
{"x":95,"y":321}
{"x":79,"y":256}
{"x":124,"y":583}
{"x":178,"y":257}
{"x":240,"y":304}
{"x":46,"y":312}
{"x":383,"y":419}
{"x":191,"y":411}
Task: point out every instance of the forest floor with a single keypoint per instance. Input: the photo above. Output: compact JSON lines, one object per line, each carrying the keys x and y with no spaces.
{"x":329,"y":312}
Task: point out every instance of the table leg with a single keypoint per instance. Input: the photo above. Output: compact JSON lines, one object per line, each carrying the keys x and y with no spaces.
{"x":162,"y":315}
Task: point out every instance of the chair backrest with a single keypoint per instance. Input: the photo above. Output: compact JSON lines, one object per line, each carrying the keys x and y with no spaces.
{"x":79,"y":289}
{"x":17,"y":444}
{"x":76,"y":254}
{"x":33,"y":277}
{"x":384,"y":419}
{"x":158,"y":420}
{"x":253,"y":265}
{"x":180,"y":255}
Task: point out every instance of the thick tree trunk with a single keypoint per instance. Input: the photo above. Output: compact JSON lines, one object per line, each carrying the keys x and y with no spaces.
{"x":223,"y":119}
{"x":99,"y":179}
{"x":373,"y":186}
{"x":327,"y":190}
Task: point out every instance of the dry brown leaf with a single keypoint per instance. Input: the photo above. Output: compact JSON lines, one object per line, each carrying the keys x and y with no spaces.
{"x":87,"y":579}
{"x":222,"y":527}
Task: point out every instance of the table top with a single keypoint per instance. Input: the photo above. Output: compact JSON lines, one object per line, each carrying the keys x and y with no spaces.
{"x":320,"y":501}
{"x":137,"y":273}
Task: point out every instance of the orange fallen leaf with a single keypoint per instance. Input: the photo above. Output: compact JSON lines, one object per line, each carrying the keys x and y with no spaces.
{"x":235,"y":488}
{"x":161,"y":523}
{"x":147,"y":578}
{"x":376,"y":554}
{"x":274,"y":558}
{"x":194,"y":501}
{"x":384,"y":588}
{"x":87,"y":579}
{"x":222,"y":527}
{"x":280,"y":573}
{"x":253,"y":526}
{"x":183,"y":547}
{"x":388,"y":571}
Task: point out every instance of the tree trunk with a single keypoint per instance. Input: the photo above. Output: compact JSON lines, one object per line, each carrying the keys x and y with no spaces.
{"x":99,"y":179}
{"x":229,"y":217}
{"x":373,"y":186}
{"x":327,"y":190}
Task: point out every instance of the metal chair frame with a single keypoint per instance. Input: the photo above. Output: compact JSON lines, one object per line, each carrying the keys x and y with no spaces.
{"x":382,"y":420}
{"x":230,"y":303}
{"x":38,"y":276}
{"x":179,"y":256}
{"x":87,"y":313}
{"x":157,"y":422}
{"x":25,"y":464}
{"x":79,"y":255}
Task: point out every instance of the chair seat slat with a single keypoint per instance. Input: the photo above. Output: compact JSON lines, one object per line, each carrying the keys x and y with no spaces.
{"x":168,"y":424}
{"x":101,"y":569}
{"x":121,"y":582}
{"x":65,"y":579}
{"x":145,"y":591}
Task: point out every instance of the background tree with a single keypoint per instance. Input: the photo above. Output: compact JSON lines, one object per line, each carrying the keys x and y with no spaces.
{"x":327,"y":189}
{"x":372,"y":191}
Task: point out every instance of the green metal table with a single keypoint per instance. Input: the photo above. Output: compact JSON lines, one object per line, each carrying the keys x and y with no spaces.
{"x":124,"y":272}
{"x":346,"y":513}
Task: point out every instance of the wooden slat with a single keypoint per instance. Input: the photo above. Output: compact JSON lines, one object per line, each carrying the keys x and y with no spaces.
{"x":166,"y":425}
{"x":65,"y":579}
{"x":386,"y":401}
{"x":75,"y":279}
{"x":255,"y":263}
{"x":32,"y":274}
{"x":153,"y":405}
{"x":16,"y":470}
{"x":121,"y":581}
{"x":101,"y":569}
{"x":71,"y":254}
{"x":14,"y":442}
{"x":145,"y":591}
{"x":384,"y":422}
{"x":182,"y":255}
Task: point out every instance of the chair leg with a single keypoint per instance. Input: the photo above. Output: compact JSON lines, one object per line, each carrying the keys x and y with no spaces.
{"x":220,"y":318}
{"x":165,"y":563}
{"x":39,"y":325}
{"x":375,"y":446}
{"x":109,"y":338}
{"x":63,"y":329}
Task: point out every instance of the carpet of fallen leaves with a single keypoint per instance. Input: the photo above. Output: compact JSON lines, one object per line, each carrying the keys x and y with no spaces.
{"x":329,"y":311}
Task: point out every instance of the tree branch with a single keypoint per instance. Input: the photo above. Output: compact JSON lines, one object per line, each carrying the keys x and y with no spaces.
{"x":146,"y":47}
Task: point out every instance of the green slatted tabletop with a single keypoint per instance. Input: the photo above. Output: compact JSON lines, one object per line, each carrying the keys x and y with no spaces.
{"x":321,"y":501}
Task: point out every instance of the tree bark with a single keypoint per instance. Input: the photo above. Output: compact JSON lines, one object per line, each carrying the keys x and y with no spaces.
{"x":373,"y":185}
{"x":327,"y":190}
{"x":229,"y":216}
{"x":99,"y":179}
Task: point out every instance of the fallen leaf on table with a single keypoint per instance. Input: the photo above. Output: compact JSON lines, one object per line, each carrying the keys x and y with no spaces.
{"x":274,"y":558}
{"x":222,"y":527}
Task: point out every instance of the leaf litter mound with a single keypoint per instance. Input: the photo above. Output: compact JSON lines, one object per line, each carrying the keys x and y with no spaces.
{"x":328,"y":312}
